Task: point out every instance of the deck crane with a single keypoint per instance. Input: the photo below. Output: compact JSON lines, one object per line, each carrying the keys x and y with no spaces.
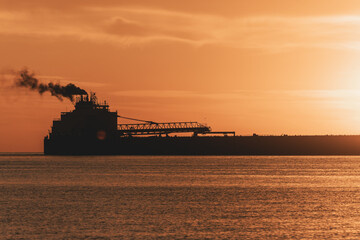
{"x":135,"y":119}
{"x":154,"y":128}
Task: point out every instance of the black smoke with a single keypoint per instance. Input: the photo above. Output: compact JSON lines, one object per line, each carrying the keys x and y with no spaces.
{"x":27,"y":80}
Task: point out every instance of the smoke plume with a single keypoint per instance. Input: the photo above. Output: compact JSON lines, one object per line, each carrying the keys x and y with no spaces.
{"x":27,"y":80}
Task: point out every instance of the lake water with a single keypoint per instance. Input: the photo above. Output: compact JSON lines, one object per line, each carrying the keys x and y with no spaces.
{"x":147,"y":197}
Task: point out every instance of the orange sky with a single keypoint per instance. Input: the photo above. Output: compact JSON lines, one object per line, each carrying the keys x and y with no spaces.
{"x":266,"y":67}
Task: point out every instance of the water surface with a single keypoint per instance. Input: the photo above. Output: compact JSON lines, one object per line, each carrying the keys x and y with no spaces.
{"x":121,"y":197}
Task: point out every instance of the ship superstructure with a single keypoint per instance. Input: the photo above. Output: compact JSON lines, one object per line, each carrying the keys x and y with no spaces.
{"x":89,"y":119}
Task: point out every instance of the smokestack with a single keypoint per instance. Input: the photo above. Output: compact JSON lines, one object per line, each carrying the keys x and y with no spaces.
{"x":27,"y":80}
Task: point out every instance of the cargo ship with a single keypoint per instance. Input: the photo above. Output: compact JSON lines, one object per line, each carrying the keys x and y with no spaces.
{"x":92,"y":129}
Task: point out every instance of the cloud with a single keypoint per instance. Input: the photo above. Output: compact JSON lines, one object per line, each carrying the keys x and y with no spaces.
{"x":343,"y":98}
{"x":126,"y":26}
{"x":11,"y":16}
{"x":120,"y":26}
{"x":221,"y":95}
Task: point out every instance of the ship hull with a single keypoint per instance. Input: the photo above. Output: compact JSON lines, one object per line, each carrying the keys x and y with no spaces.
{"x":234,"y":145}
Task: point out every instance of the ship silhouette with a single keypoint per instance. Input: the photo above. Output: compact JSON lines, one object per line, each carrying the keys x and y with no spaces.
{"x":92,"y":129}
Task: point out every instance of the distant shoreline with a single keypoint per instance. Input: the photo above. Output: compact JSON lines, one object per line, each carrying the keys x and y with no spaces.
{"x":21,"y":154}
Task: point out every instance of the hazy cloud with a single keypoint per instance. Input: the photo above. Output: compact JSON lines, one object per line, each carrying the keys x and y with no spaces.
{"x":320,"y":95}
{"x":124,"y":26}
